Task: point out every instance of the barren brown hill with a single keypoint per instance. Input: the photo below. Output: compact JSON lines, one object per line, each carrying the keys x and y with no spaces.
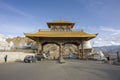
{"x":19,"y":40}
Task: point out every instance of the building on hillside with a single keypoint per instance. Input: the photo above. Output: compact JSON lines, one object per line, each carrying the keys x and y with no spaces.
{"x":61,"y":33}
{"x":4,"y":45}
{"x":19,"y":43}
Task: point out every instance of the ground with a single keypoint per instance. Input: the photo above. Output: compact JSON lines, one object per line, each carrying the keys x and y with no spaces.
{"x":52,"y":70}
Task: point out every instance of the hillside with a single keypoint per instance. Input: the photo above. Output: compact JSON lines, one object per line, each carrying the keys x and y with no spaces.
{"x":108,"y":49}
{"x":22,"y":41}
{"x":19,"y":42}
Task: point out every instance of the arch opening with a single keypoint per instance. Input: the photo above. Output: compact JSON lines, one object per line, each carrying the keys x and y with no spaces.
{"x":70,"y":51}
{"x":51,"y":50}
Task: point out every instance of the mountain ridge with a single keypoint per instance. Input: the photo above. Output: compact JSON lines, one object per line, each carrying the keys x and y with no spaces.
{"x":108,"y":49}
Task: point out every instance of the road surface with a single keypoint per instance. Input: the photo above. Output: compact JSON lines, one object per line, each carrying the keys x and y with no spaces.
{"x":52,"y":70}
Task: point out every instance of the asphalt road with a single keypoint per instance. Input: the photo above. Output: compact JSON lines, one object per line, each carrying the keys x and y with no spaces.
{"x":51,"y":70}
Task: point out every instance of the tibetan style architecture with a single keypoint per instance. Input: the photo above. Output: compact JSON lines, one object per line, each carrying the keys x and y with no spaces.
{"x":61,"y":33}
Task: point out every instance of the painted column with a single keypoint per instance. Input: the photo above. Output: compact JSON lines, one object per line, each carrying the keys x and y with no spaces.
{"x":61,"y":54}
{"x":39,"y":46}
{"x":78,"y":47}
{"x":82,"y":49}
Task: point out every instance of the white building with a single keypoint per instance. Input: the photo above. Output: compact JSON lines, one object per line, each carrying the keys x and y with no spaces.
{"x":4,"y":45}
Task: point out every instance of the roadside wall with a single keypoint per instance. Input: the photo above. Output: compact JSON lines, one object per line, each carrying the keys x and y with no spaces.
{"x":13,"y":56}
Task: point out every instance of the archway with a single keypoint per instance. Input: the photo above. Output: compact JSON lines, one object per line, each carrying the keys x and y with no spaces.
{"x":51,"y":49}
{"x":70,"y":51}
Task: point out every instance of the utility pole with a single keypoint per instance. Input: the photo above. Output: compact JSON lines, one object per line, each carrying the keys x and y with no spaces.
{"x":118,"y":56}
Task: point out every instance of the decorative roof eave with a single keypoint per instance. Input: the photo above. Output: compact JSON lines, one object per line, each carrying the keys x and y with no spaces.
{"x":84,"y":36}
{"x":60,"y":23}
{"x":36,"y":35}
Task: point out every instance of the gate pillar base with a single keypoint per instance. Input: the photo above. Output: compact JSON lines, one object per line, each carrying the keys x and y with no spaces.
{"x":61,"y":60}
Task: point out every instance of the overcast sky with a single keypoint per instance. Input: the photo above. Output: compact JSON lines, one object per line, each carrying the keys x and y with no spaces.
{"x":93,"y":16}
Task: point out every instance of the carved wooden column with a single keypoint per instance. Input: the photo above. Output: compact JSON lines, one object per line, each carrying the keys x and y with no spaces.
{"x":78,"y":47}
{"x":61,"y":60}
{"x":82,"y":49}
{"x":39,"y":47}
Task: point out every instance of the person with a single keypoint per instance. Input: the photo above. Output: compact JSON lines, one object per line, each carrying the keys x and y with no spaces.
{"x":5,"y":58}
{"x":108,"y":58}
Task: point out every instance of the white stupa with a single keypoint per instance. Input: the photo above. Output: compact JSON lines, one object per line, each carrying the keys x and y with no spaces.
{"x":86,"y":45}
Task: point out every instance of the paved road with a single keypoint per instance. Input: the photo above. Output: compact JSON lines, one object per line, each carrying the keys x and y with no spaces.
{"x":51,"y":70}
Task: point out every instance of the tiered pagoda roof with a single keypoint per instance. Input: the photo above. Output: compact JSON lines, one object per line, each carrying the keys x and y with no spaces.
{"x":52,"y":33}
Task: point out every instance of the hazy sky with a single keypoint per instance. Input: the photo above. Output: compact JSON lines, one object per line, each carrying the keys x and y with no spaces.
{"x":93,"y":16}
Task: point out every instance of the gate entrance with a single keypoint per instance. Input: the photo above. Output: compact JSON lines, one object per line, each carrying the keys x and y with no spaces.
{"x":61,"y":33}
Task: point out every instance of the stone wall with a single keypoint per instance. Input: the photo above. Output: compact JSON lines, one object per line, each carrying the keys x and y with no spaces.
{"x":13,"y":56}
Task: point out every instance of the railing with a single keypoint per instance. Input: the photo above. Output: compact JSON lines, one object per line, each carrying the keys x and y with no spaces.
{"x":73,"y":30}
{"x":80,"y":30}
{"x":44,"y":30}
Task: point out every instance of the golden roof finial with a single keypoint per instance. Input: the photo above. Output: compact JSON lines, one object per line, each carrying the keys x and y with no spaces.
{"x":61,"y":20}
